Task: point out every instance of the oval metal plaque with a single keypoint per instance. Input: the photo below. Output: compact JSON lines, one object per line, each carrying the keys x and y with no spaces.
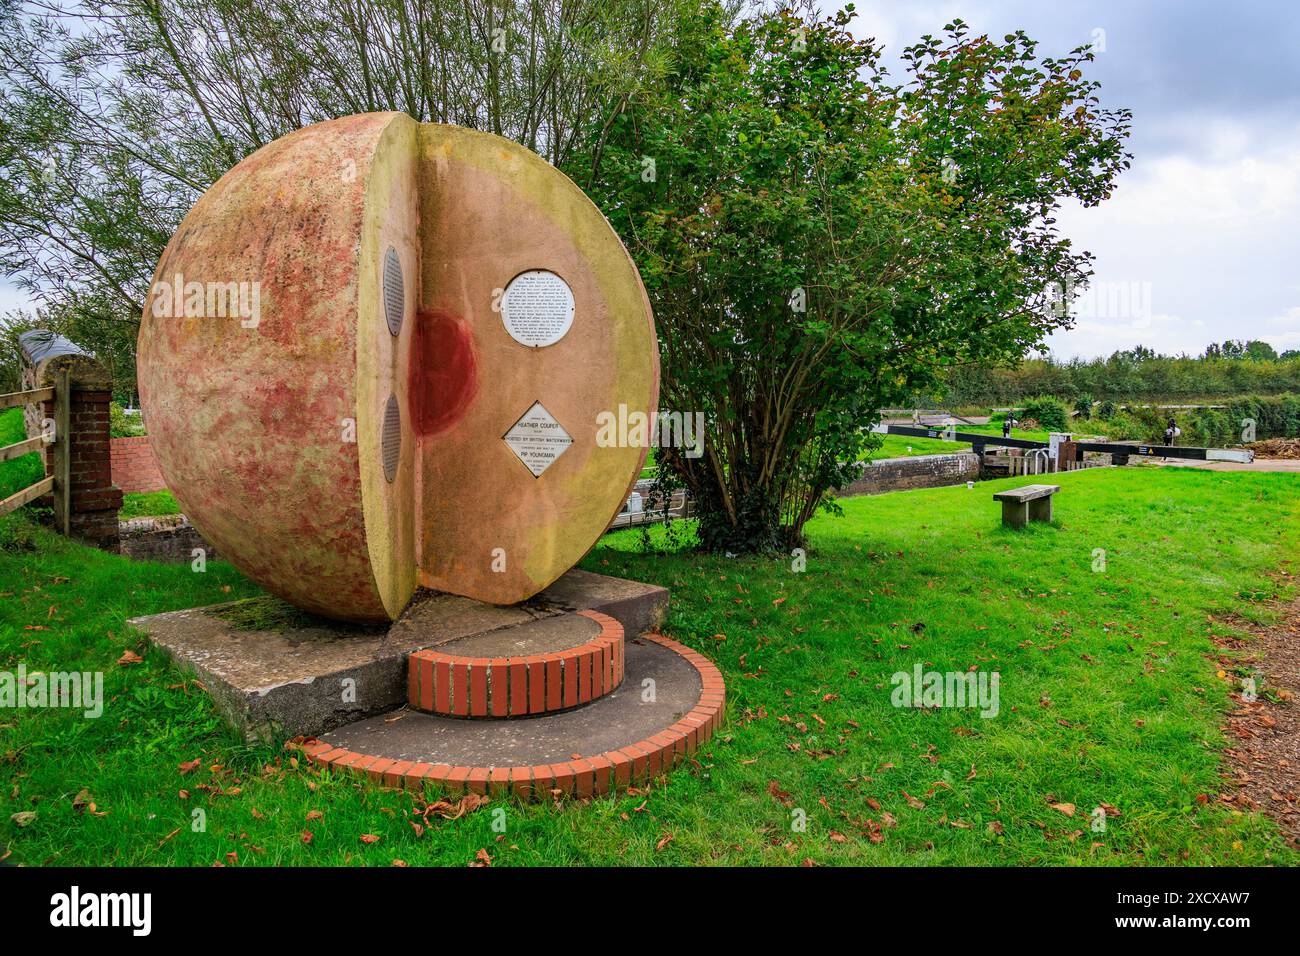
{"x":390,"y":443}
{"x":394,"y":291}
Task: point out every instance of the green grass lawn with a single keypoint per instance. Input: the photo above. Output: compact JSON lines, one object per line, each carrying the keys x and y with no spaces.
{"x":17,"y":473}
{"x":1109,"y":694}
{"x":148,"y":503}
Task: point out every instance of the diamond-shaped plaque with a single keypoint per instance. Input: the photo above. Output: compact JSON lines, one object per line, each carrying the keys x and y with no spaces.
{"x":537,"y":439}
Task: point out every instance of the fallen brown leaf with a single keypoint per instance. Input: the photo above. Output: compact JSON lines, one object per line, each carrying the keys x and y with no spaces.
{"x":781,"y":796}
{"x":453,"y":810}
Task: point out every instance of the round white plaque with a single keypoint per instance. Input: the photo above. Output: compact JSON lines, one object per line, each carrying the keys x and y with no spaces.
{"x":537,"y":308}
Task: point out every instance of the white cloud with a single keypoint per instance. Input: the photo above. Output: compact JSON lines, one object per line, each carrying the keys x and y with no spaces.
{"x":1236,"y":190}
{"x":1214,"y":235}
{"x":1284,"y":330}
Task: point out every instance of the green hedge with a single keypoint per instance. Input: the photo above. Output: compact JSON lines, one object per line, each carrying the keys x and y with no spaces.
{"x":1275,"y":416}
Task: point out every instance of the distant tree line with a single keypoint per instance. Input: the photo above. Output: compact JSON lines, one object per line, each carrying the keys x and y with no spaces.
{"x":1224,"y":370}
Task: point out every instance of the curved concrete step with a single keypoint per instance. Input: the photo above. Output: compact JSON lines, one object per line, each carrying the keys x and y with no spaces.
{"x":543,"y":666}
{"x":669,"y":704}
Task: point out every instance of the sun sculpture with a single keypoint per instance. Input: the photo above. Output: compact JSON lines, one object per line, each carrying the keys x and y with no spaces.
{"x":373,"y":358}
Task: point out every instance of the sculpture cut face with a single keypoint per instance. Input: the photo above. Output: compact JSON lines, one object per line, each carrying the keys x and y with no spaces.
{"x":373,"y":358}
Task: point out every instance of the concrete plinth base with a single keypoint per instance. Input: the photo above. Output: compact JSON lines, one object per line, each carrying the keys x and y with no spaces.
{"x":304,"y":676}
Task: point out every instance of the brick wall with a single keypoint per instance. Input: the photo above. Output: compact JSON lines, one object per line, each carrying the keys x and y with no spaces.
{"x":918,"y":471}
{"x":95,"y":499}
{"x":134,"y":467}
{"x":164,"y":538}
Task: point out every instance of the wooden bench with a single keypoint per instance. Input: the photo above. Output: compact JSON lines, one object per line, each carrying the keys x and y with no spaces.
{"x":1028,"y":503}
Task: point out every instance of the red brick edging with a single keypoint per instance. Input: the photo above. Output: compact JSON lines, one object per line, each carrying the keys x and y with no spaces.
{"x":582,"y":777}
{"x":457,"y":686}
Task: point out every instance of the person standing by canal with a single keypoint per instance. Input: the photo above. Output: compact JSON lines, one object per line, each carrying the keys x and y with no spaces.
{"x":1172,"y":431}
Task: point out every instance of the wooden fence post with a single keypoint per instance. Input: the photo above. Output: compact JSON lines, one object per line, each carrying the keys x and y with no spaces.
{"x":63,"y":450}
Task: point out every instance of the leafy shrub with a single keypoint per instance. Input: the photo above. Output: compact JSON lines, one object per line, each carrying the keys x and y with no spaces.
{"x":1276,"y":416}
{"x":1125,"y":426}
{"x":122,"y":425}
{"x":1049,"y":412}
{"x":1211,"y":427}
{"x":1083,"y":406}
{"x":1106,"y":409}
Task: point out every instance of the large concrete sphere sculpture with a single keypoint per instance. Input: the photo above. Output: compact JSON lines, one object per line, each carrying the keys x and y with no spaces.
{"x":374,"y":357}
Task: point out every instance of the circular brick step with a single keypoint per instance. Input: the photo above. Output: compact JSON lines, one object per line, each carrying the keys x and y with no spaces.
{"x":670,"y":704}
{"x":525,"y":670}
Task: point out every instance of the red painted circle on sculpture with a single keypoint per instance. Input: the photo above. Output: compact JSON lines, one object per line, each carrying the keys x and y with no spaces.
{"x":443,"y":372}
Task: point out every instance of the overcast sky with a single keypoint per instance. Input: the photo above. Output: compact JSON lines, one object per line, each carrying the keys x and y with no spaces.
{"x":1201,"y":241}
{"x":1207,"y":221}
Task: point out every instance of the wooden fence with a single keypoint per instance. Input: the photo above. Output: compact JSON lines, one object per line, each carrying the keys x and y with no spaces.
{"x":55,"y":438}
